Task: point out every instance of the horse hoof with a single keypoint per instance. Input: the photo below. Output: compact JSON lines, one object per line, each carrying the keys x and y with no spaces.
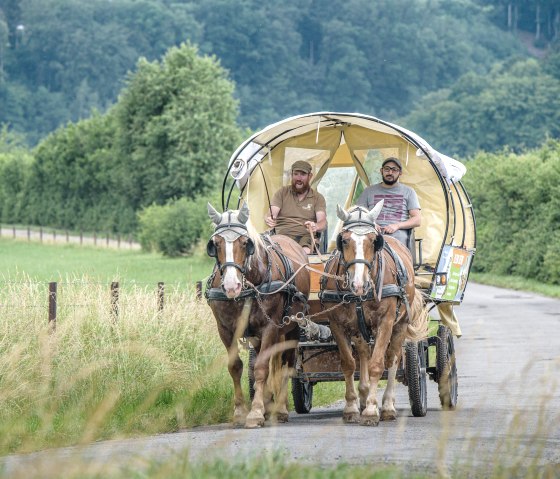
{"x":239,"y":419}
{"x":388,"y":415}
{"x":254,"y":420}
{"x":351,"y":417}
{"x":280,"y":417}
{"x":369,"y":421}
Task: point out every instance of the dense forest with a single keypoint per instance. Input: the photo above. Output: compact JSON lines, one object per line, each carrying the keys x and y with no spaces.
{"x":120,"y":112}
{"x":61,"y":59}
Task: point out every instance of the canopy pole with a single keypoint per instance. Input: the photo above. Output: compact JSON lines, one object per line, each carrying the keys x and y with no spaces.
{"x":318,"y":126}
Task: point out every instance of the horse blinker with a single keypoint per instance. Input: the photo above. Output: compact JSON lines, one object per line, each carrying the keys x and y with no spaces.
{"x":211,"y":249}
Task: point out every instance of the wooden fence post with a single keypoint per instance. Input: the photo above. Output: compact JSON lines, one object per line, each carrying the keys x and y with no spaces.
{"x":14,"y":228}
{"x":161,"y":288}
{"x":52,"y":305}
{"x":28,"y":233}
{"x":115,"y":299}
{"x":199,"y":290}
{"x":41,"y":233}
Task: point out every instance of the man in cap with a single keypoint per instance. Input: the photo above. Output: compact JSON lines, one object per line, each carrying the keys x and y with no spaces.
{"x":401,"y":213}
{"x":401,"y":209}
{"x":297,"y":209}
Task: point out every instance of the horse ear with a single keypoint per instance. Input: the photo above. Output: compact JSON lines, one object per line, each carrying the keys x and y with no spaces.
{"x":211,"y":249}
{"x":378,"y":243}
{"x":341,"y":213}
{"x":243,"y":214}
{"x":374,"y":212}
{"x":339,"y":242}
{"x":214,"y":215}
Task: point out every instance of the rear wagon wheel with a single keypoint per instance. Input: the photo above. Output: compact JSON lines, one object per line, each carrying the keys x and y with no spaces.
{"x":415,"y":369}
{"x":302,"y":393}
{"x":448,"y":383}
{"x":251,"y":371}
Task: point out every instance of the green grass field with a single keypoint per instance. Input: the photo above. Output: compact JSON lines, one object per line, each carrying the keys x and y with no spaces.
{"x":55,"y":262}
{"x":98,"y":376}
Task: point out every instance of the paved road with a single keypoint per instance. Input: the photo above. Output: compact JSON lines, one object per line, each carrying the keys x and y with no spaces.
{"x":508,"y":412}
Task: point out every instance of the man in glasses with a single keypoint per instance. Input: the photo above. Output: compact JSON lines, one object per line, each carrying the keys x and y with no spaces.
{"x":401,"y":209}
{"x":401,"y":213}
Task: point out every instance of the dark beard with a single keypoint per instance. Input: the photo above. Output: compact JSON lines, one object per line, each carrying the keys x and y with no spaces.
{"x":304,"y":189}
{"x":389,"y":182}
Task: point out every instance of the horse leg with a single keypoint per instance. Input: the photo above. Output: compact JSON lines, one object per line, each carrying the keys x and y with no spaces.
{"x":388,"y":411}
{"x":370,"y":415}
{"x":351,"y":411}
{"x":235,"y":368}
{"x":392,"y":359}
{"x":256,"y":418}
{"x":283,"y":373}
{"x":363,"y":386}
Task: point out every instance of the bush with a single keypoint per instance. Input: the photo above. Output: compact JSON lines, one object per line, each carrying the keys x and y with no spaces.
{"x":175,"y":228}
{"x":517,"y":204}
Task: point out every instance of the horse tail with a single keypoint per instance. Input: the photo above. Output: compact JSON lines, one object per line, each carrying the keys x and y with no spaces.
{"x":418,"y":321}
{"x":275,"y":374}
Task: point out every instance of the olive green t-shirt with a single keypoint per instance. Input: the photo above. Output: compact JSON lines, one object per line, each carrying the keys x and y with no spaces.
{"x":294,"y":213}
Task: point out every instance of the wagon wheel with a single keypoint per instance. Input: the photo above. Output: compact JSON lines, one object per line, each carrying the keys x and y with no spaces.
{"x":416,"y":376}
{"x":251,"y":371}
{"x":446,"y":368}
{"x":302,"y":393}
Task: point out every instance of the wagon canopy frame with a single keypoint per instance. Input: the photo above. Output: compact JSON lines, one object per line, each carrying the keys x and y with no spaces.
{"x":346,"y":151}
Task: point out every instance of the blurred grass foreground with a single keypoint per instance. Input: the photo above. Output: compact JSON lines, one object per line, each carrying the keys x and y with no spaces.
{"x":99,"y":376}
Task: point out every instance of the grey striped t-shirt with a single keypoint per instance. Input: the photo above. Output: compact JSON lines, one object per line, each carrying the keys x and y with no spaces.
{"x":399,"y":199}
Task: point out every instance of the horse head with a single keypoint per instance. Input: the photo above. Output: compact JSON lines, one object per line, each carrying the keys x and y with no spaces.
{"x":358,"y":243}
{"x":233,"y":245}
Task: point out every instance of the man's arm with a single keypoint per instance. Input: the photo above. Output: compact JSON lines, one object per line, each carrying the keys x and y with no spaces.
{"x":320,"y":223}
{"x":270,"y":218}
{"x":414,"y":220}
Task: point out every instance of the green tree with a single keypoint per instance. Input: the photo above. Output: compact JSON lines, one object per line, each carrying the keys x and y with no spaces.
{"x":515,"y":106}
{"x":176,"y":128}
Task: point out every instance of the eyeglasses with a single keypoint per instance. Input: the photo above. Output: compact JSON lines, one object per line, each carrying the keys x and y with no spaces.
{"x":391,"y":169}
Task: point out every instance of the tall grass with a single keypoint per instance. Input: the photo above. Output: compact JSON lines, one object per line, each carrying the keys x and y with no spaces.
{"x":96,"y":376}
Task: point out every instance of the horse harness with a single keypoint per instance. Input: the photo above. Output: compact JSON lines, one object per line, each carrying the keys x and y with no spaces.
{"x":269,"y":286}
{"x":383,"y":291}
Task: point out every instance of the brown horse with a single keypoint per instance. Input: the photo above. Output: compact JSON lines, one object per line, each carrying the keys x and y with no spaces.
{"x":258,"y":282}
{"x":381,"y":309}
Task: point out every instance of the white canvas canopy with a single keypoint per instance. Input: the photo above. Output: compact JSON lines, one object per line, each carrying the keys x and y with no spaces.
{"x":346,"y":151}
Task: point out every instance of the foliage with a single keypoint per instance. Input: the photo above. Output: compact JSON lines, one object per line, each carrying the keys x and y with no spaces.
{"x":517,"y":203}
{"x":175,"y":228}
{"x":285,"y":57}
{"x":376,"y":57}
{"x":516,"y":105}
{"x":168,"y":137}
{"x":176,"y":128}
{"x":15,"y":164}
{"x":77,"y":53}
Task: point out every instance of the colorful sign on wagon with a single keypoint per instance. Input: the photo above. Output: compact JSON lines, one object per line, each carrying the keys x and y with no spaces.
{"x":451,"y":274}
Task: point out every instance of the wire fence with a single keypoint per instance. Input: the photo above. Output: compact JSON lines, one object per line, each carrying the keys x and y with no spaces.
{"x":49,"y":235}
{"x":53,"y":300}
